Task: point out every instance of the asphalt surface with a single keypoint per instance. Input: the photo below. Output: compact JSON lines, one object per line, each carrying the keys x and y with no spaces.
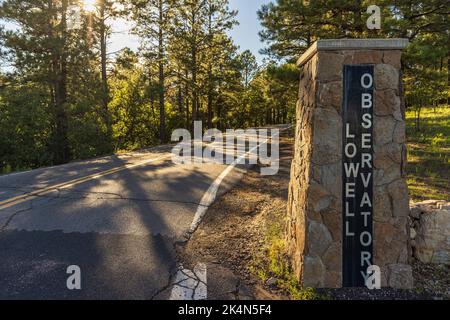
{"x":117,"y":218}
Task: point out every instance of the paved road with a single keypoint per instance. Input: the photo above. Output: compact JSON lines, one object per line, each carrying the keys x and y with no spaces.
{"x":117,"y":218}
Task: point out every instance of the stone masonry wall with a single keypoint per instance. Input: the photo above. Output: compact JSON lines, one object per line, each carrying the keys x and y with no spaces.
{"x":301,"y":169}
{"x":314,"y":231}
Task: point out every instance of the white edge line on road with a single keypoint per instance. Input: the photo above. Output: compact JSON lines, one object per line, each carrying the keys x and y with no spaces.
{"x":210,"y":196}
{"x":186,"y":287}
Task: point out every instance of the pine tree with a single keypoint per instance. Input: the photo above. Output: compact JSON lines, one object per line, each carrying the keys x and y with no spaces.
{"x":249,"y":67}
{"x":98,"y":22}
{"x":153,"y":21}
{"x":40,"y":52}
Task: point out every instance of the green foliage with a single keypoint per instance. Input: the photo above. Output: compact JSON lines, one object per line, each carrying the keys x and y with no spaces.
{"x":63,"y":98}
{"x":291,"y":26}
{"x":24,"y":128}
{"x":134,"y":119}
{"x":275,"y":263}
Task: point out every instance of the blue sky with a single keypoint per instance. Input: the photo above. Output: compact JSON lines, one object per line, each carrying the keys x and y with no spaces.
{"x":245,"y":35}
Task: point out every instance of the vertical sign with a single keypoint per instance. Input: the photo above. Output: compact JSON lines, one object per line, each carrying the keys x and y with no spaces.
{"x":357,"y":171}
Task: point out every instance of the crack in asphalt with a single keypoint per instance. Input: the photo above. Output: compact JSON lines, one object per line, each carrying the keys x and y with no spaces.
{"x":119,"y":197}
{"x":189,"y":275}
{"x":172,"y":274}
{"x":12,"y":216}
{"x":186,"y":275}
{"x":194,"y":290}
{"x":195,"y":278}
{"x":30,"y":208}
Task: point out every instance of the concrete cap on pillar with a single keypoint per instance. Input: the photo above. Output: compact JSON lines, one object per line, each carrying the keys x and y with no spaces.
{"x":352,"y":44}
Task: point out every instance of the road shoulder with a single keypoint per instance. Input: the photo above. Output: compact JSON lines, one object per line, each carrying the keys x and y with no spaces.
{"x":231,"y":240}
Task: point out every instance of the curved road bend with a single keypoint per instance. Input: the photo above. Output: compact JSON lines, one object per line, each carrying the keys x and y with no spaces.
{"x":116,"y":217}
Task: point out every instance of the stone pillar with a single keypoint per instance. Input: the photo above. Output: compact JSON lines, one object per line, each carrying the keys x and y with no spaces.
{"x":315,"y":210}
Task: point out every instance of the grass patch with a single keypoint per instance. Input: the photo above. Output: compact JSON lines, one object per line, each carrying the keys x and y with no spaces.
{"x":274,"y":263}
{"x":429,"y":154}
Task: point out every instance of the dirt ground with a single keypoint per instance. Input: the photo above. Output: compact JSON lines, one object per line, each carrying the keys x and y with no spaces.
{"x":239,"y":229}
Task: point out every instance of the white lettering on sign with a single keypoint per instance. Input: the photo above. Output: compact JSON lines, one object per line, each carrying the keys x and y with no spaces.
{"x":357,"y":167}
{"x":366,"y":82}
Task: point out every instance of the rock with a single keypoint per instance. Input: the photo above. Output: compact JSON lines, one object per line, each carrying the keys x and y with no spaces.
{"x":333,"y":221}
{"x":314,"y":272}
{"x":430,"y":205}
{"x":398,"y":192}
{"x":432,"y":242}
{"x":387,"y":156}
{"x":330,"y":177}
{"x":384,"y":130}
{"x":319,"y":238}
{"x":422,"y":254}
{"x":387,"y":102}
{"x":385,"y":231}
{"x":386,"y":77}
{"x":415,"y":212}
{"x":393,"y":57}
{"x":319,"y":197}
{"x":382,"y":202}
{"x":400,"y":276}
{"x":413,"y":233}
{"x":332,"y":257}
{"x":400,"y":132}
{"x":441,"y":257}
{"x":330,"y":95}
{"x":330,"y":66}
{"x":327,"y":136}
{"x":386,"y":249}
{"x":333,"y":279}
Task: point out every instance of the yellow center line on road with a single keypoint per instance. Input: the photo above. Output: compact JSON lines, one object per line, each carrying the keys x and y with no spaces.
{"x":41,"y":192}
{"x":68,"y":184}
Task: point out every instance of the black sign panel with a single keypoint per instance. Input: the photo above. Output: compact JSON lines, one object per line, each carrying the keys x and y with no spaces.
{"x":357,"y":171}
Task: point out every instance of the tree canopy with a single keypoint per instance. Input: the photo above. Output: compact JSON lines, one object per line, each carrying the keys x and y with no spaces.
{"x":65,"y":96}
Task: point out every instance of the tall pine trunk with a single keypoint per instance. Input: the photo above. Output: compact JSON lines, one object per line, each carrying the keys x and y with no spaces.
{"x":186,"y":97}
{"x":448,"y":78}
{"x":105,"y":86}
{"x":62,"y":149}
{"x":210,"y":99}
{"x":194,"y":85}
{"x":210,"y":72}
{"x":162,"y":110}
{"x":194,"y":69}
